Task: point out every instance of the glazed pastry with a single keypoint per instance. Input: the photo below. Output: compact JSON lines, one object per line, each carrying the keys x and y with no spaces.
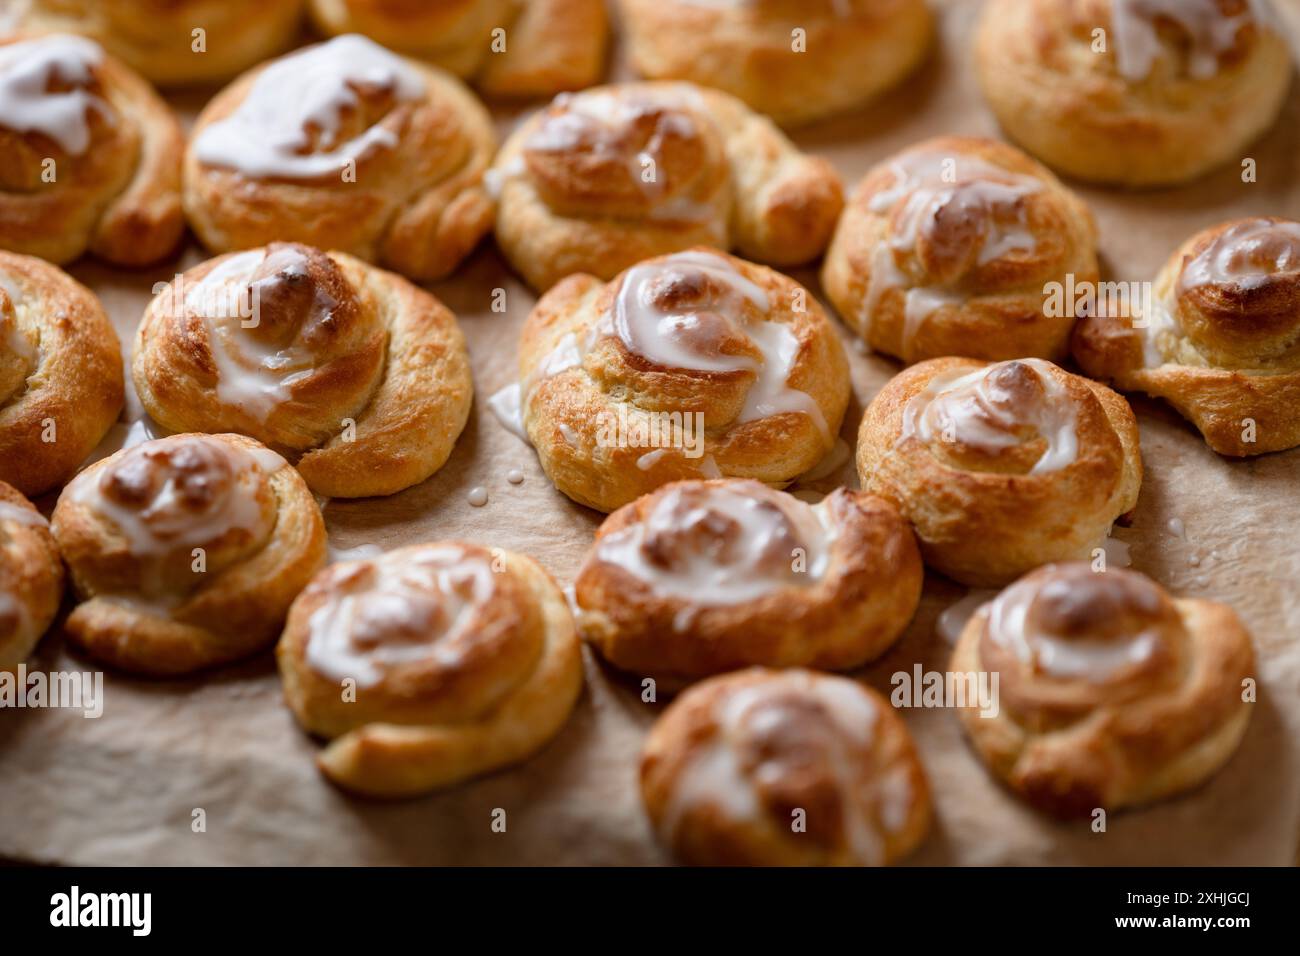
{"x":346,"y":146}
{"x":430,"y":665}
{"x":693,"y":365}
{"x":161,"y":39}
{"x":89,"y":155}
{"x":1220,"y":343}
{"x":356,"y":373}
{"x":950,"y":248}
{"x":784,"y":768}
{"x":1111,"y":692}
{"x":186,"y":552}
{"x":702,"y":577}
{"x":31,"y":577}
{"x":60,"y":374}
{"x":1001,"y":468}
{"x":848,"y":50}
{"x":602,"y":179}
{"x":1133,"y":92}
{"x":542,"y":47}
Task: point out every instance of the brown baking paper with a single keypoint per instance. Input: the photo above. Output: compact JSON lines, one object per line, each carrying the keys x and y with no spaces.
{"x":126,"y":788}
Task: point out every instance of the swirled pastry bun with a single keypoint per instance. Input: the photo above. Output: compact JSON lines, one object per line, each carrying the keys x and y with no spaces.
{"x":1221,"y":342}
{"x":848,"y":50}
{"x":693,"y":365}
{"x":604,"y":178}
{"x":60,"y":374}
{"x":784,"y":768}
{"x":1112,"y":693}
{"x":176,"y":42}
{"x":31,"y":577}
{"x":950,"y":248}
{"x":504,"y":47}
{"x":430,"y":665}
{"x":1133,"y":92}
{"x":89,"y":155}
{"x":347,"y":146}
{"x":357,"y":374}
{"x":1002,"y":467}
{"x":702,"y":577}
{"x":186,"y":552}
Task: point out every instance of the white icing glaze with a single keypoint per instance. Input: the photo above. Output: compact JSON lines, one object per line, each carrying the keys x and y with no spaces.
{"x":1209,"y":33}
{"x":507,"y":405}
{"x":45,"y":88}
{"x":1248,"y":254}
{"x":953,"y":619}
{"x":303,"y":98}
{"x":23,"y":516}
{"x":478,"y":496}
{"x":971,"y":408}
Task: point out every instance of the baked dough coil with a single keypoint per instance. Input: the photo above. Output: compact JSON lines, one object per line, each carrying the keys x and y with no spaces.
{"x":89,"y":155}
{"x":1111,"y":693}
{"x":161,"y":39}
{"x":60,"y":374}
{"x":185,"y":552}
{"x":692,"y":365}
{"x":1000,"y":467}
{"x":344,"y":145}
{"x":31,"y":577}
{"x":952,"y":246}
{"x":844,"y":53}
{"x":784,"y":768}
{"x":601,"y":179}
{"x":355,"y":373}
{"x":430,"y":665}
{"x":1133,"y":92}
{"x":506,"y":48}
{"x":702,"y":577}
{"x":1221,"y":342}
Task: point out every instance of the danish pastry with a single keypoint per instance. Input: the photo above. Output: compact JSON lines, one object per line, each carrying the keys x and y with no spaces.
{"x":693,"y":365}
{"x":186,"y":552}
{"x":1133,"y":92}
{"x":430,"y":665}
{"x":89,"y":155}
{"x":1220,"y":341}
{"x":356,"y":373}
{"x":1111,"y":692}
{"x":31,"y":577}
{"x":951,"y":248}
{"x":793,"y":60}
{"x":176,"y":42}
{"x":784,"y":768}
{"x":1000,"y":467}
{"x":347,"y":146}
{"x":602,"y":179}
{"x":702,"y":577}
{"x":505,"y":47}
{"x":60,"y":374}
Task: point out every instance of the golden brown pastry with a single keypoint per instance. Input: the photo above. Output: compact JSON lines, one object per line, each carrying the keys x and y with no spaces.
{"x":346,"y":146}
{"x":60,"y":374}
{"x":356,"y":373}
{"x":1001,"y":467}
{"x":1111,"y":692}
{"x":1133,"y":92}
{"x":1222,"y":340}
{"x":951,"y":247}
{"x":784,"y":768}
{"x":31,"y":577}
{"x":844,"y":53}
{"x":602,"y":179}
{"x":429,"y":665}
{"x":702,"y":577}
{"x":186,"y":552}
{"x":176,"y":42}
{"x":505,"y":47}
{"x":692,"y":365}
{"x":89,"y":155}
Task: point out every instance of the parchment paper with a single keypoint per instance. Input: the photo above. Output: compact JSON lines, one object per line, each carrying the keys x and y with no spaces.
{"x":123,"y":789}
